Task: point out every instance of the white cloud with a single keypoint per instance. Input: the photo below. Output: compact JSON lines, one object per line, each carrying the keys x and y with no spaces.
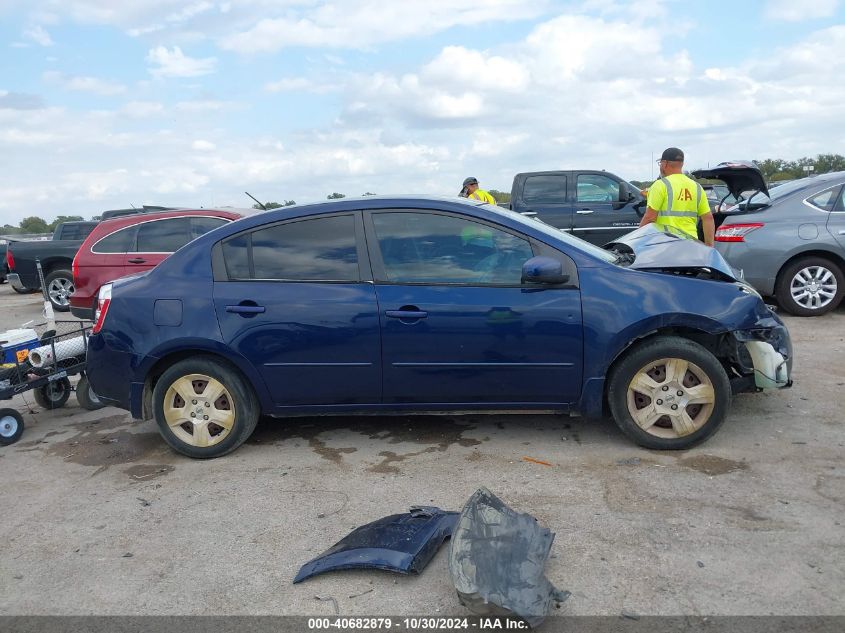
{"x":174,"y":63}
{"x":39,"y":35}
{"x":94,"y":85}
{"x":190,"y":11}
{"x":363,"y":23}
{"x":203,"y":146}
{"x":791,"y":11}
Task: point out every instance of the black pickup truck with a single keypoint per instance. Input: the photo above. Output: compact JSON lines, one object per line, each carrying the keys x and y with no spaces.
{"x":56,"y":256}
{"x":597,"y":206}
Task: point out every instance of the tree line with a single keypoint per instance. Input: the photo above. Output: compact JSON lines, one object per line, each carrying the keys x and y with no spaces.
{"x":778,"y":169}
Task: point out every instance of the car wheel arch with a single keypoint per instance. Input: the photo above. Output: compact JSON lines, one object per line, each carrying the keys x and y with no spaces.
{"x":168,"y":360}
{"x":708,"y":340}
{"x":834,"y":257}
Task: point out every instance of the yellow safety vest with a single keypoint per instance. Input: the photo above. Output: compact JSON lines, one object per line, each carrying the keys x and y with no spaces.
{"x":679,"y":201}
{"x":483,"y":196}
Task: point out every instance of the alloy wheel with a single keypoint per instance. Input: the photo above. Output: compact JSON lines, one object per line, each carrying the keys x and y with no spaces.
{"x":671,"y":398}
{"x":60,"y":290}
{"x":813,"y":287}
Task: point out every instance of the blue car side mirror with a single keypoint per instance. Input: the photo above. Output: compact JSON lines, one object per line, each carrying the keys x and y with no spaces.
{"x":543,"y":270}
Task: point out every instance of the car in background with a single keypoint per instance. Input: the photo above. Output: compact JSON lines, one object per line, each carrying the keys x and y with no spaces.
{"x":129,"y":244}
{"x":597,"y":206}
{"x":55,"y":256}
{"x":719,"y":197}
{"x":385,"y":304}
{"x":789,"y":242}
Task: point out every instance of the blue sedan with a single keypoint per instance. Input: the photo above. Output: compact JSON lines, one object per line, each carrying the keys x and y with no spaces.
{"x":411,"y":304}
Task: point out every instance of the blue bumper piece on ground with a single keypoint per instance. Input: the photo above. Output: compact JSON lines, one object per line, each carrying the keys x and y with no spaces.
{"x":403,"y":543}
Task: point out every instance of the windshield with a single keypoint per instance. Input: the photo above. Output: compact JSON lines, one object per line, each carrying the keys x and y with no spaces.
{"x":575,"y":242}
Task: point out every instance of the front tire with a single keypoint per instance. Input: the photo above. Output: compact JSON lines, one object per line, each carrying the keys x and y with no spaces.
{"x":59,"y":288}
{"x":811,"y":286}
{"x":669,"y":393}
{"x":204,"y":408}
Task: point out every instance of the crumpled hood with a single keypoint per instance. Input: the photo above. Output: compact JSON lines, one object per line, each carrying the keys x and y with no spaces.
{"x":656,"y":249}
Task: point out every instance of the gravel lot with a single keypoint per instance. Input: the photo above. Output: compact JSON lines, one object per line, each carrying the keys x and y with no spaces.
{"x":100,"y":517}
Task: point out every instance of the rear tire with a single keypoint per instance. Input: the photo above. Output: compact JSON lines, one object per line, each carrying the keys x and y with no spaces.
{"x":85,"y":395}
{"x":204,"y":408}
{"x":53,"y":395}
{"x":810,"y":286}
{"x":11,"y":426}
{"x":669,"y":393}
{"x":59,"y":288}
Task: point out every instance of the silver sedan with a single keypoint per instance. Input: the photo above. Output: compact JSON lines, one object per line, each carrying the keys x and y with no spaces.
{"x":791,"y":243}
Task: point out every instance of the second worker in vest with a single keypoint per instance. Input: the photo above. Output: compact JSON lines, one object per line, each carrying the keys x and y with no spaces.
{"x":472,"y":191}
{"x":676,"y":201}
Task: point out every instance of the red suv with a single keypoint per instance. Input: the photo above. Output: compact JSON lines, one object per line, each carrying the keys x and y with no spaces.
{"x":132,"y":244}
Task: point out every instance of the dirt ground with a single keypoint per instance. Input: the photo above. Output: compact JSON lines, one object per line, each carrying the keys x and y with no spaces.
{"x":99,"y":516}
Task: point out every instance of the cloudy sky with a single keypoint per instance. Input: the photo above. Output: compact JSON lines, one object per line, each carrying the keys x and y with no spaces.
{"x":107,"y":104}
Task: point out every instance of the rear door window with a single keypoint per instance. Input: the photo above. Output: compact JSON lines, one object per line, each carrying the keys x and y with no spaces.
{"x":321,"y":249}
{"x":545,"y":189}
{"x":122,"y":241}
{"x":164,"y":236}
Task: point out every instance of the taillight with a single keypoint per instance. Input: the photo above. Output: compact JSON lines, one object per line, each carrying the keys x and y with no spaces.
{"x":735,"y":232}
{"x":74,"y":269}
{"x":103,"y":302}
{"x":10,"y":260}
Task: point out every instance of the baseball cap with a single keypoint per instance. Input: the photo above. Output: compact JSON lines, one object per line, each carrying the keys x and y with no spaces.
{"x":474,"y":181}
{"x":673,"y":154}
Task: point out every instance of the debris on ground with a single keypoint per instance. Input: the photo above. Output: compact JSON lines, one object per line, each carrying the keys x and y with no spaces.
{"x":536,"y":461}
{"x":403,"y":543}
{"x":497,"y":559}
{"x":329,"y":599}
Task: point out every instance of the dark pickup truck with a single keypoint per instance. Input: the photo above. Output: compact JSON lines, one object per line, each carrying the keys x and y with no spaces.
{"x":56,"y":256}
{"x":597,"y":206}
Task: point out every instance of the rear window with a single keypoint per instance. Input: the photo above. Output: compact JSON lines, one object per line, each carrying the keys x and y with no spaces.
{"x":546,"y":189}
{"x":201,"y":226}
{"x":76,"y":231}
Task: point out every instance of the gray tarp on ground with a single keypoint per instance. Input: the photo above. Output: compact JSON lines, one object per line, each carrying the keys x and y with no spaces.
{"x":497,"y":558}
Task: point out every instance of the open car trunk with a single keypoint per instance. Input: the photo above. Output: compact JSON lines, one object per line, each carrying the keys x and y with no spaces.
{"x":741,"y":177}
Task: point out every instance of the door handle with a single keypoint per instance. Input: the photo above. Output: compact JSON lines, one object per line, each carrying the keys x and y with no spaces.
{"x":406,"y":314}
{"x":584,"y":211}
{"x":137,"y":260}
{"x":530,"y":214}
{"x":841,"y":232}
{"x":241,"y":309}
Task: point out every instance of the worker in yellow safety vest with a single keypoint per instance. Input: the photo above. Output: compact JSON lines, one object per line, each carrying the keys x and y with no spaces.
{"x":676,"y":201}
{"x":471,"y":191}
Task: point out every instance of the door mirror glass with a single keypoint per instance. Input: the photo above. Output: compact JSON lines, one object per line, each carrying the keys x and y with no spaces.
{"x":543,"y":270}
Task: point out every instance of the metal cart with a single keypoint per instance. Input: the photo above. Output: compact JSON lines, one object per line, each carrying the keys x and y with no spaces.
{"x":45,"y":371}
